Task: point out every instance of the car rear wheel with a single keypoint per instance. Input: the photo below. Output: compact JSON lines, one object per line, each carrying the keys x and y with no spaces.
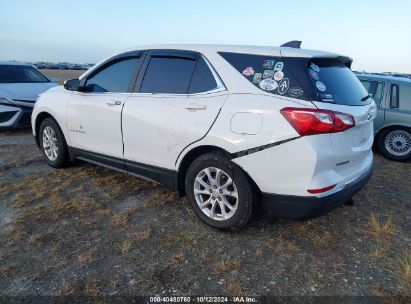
{"x":219,"y":192}
{"x":52,"y":144}
{"x":395,"y":143}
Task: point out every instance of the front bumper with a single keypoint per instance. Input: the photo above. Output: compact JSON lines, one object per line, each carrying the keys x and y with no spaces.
{"x":306,"y":207}
{"x":17,"y":117}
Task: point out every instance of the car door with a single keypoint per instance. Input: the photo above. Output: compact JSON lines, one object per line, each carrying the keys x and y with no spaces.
{"x":176,"y":101}
{"x":399,"y":110}
{"x":94,"y":113}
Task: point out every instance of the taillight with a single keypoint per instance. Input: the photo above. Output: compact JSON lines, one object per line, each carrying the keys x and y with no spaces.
{"x":316,"y":121}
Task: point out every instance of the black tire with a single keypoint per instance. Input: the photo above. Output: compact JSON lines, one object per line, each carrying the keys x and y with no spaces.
{"x":247,"y":195}
{"x":62,"y":159}
{"x":384,"y":151}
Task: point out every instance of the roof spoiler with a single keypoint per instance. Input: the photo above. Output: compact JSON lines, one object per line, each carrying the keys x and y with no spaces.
{"x":342,"y":59}
{"x":296,"y":44}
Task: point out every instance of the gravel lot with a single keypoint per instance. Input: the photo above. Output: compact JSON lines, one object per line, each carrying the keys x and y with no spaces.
{"x":87,"y":230}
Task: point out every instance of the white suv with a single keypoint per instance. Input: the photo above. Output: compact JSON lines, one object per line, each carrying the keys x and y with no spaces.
{"x":228,"y":126}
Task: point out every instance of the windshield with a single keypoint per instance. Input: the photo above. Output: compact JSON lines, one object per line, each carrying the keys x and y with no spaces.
{"x":335,"y":83}
{"x":20,"y":74}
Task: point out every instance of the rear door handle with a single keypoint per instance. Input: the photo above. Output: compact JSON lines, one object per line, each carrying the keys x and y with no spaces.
{"x":195,"y":106}
{"x":114,"y":103}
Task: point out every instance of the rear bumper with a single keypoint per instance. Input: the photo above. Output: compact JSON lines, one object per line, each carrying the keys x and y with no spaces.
{"x":306,"y":207}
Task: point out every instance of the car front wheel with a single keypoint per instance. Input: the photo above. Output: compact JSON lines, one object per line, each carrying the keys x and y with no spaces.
{"x":219,"y":192}
{"x":53,"y":144}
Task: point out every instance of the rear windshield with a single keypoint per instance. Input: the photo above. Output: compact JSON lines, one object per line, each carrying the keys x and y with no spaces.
{"x":335,"y":83}
{"x":20,"y":74}
{"x":317,"y":80}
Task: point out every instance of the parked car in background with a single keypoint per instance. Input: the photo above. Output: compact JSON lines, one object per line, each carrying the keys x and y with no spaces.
{"x":20,"y":85}
{"x":392,"y":126}
{"x":224,"y":125}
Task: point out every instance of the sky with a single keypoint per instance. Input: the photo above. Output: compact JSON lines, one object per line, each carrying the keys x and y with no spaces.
{"x":376,"y":34}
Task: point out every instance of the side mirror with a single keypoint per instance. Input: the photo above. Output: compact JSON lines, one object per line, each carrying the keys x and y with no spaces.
{"x":72,"y":84}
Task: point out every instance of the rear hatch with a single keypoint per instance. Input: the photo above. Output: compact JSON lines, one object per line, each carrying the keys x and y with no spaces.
{"x":335,"y":87}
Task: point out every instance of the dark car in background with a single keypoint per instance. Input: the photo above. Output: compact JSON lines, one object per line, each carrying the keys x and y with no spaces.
{"x":392,"y":127}
{"x":20,"y":84}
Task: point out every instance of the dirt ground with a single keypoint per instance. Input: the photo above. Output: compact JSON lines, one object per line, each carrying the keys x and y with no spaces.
{"x":87,"y":230}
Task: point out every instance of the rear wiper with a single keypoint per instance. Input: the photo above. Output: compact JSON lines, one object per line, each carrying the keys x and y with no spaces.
{"x":366,"y":97}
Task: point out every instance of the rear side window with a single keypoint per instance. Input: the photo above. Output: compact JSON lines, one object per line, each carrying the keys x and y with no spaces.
{"x":374,"y":88}
{"x":168,"y":75}
{"x":405,"y":96}
{"x":271,"y":74}
{"x":115,"y":77}
{"x":20,"y":74}
{"x":203,"y":79}
{"x":394,"y":97}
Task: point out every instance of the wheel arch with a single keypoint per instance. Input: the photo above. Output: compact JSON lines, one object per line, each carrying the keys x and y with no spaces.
{"x":392,"y":126}
{"x":39,"y":119}
{"x":194,"y":153}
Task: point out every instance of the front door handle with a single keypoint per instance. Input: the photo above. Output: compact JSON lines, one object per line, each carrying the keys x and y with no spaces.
{"x":195,"y":106}
{"x":114,"y":103}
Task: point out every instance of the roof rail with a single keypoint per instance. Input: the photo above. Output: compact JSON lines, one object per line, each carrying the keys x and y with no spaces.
{"x":292,"y":44}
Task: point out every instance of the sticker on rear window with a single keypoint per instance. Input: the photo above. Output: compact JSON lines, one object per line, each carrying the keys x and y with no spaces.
{"x":279,"y":66}
{"x":327,"y":97}
{"x":257,"y":77}
{"x":283,"y":86}
{"x":268,"y":73}
{"x":268,"y":64}
{"x":278,"y":75}
{"x":314,"y":75}
{"x":295,"y":92}
{"x":315,"y":67}
{"x":248,"y":71}
{"x":320,"y":86}
{"x":268,"y":84}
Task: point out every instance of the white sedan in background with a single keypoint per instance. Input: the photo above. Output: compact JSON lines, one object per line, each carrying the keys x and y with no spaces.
{"x":20,"y":84}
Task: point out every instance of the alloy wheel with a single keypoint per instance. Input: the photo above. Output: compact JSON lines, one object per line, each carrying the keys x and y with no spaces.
{"x":50,"y":144}
{"x":398,"y":142}
{"x":215,"y":193}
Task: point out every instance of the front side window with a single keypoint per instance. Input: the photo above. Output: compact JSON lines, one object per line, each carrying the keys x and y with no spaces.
{"x":394,"y":97}
{"x":20,"y":74}
{"x":374,"y":88}
{"x":170,"y":75}
{"x":115,"y":77}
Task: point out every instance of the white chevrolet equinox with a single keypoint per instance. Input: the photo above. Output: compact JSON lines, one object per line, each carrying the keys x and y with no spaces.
{"x":227,"y":126}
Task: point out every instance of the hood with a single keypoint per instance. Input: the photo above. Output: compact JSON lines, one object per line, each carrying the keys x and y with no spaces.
{"x":24,"y":91}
